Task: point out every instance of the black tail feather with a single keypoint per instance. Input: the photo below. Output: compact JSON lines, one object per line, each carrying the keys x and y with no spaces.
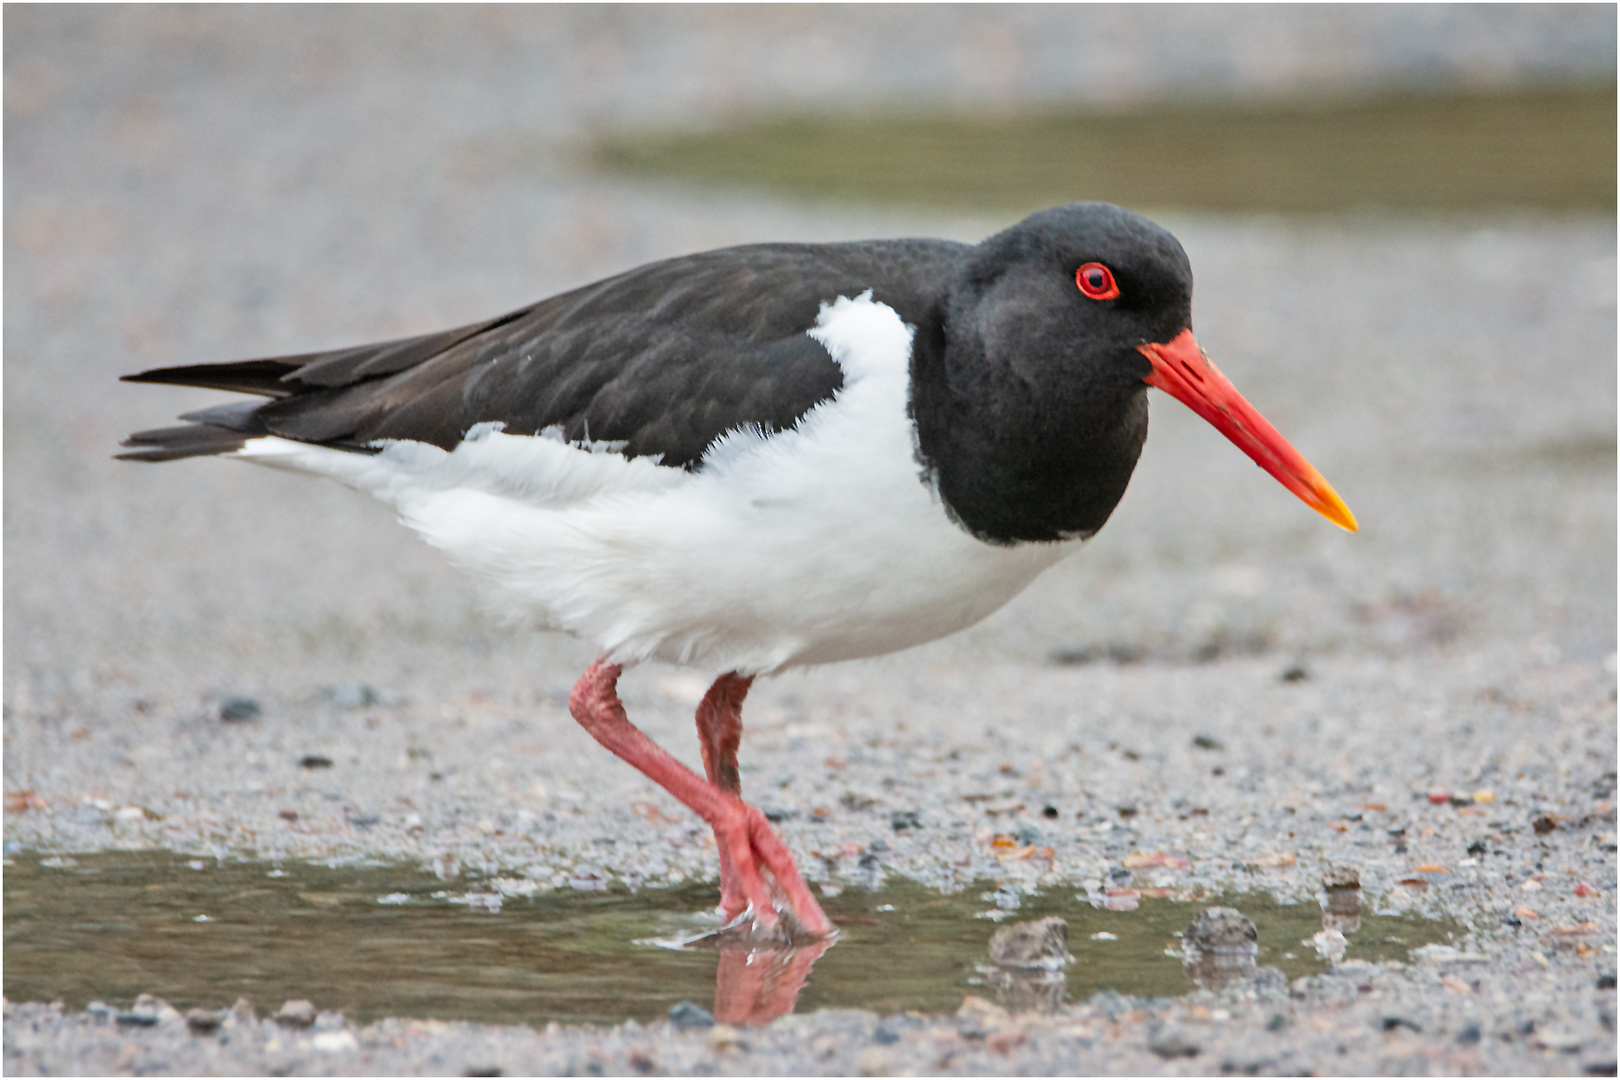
{"x":172,"y":444}
{"x":267,"y":378}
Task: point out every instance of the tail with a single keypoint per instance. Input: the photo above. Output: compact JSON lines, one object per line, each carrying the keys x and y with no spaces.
{"x":308,"y":386}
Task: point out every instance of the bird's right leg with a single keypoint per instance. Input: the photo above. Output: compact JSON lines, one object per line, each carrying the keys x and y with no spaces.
{"x":739,"y":829}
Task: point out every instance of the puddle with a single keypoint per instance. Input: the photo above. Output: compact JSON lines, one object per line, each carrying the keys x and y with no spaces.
{"x":199,"y":933}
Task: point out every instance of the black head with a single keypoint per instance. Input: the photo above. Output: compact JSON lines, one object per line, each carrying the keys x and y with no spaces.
{"x":1033,"y":412}
{"x":1137,"y":289}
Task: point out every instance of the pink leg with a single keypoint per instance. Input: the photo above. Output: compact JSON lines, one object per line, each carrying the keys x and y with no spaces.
{"x":719,"y":724}
{"x":740,"y":830}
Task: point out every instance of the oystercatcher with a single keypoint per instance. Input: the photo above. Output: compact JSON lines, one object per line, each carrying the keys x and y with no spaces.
{"x":762,"y":457}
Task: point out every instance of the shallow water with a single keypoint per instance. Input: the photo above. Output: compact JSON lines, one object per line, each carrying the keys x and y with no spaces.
{"x":200,"y":933}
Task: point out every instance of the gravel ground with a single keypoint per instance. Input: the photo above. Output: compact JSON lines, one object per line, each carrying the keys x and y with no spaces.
{"x":201,"y":184}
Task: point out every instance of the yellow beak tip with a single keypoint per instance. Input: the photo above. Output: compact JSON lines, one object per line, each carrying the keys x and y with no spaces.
{"x":1338,"y":513}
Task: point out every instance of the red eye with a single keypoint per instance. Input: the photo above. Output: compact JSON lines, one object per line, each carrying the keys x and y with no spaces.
{"x":1096,"y":281}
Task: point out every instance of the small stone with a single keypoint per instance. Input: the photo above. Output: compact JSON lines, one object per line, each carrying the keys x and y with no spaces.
{"x":1008,"y":897}
{"x":202,"y":1022}
{"x":296,"y":1013}
{"x":905,"y":819}
{"x":1296,"y":673}
{"x":1040,"y":943}
{"x":725,"y":1037}
{"x":239,"y":707}
{"x":1544,"y":825}
{"x":315,"y":761}
{"x":1207,"y":742}
{"x":335,"y":1042}
{"x":1220,"y":929}
{"x":1341,"y":877}
{"x":1174,"y":1045}
{"x":1561,"y":1040}
{"x":352,"y":696}
{"x":1390,"y":1023}
{"x":686,"y":1016}
{"x":484,"y":899}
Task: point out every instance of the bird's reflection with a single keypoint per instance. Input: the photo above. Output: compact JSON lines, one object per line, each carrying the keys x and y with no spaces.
{"x":755,"y":985}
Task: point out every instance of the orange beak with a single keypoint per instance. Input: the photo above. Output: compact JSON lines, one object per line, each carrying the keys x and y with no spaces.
{"x":1182,"y":370}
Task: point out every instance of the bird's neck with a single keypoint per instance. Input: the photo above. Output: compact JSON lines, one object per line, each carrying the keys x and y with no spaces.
{"x":1016,"y":460}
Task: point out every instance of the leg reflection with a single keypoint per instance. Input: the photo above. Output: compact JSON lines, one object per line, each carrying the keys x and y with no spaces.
{"x":756,"y":985}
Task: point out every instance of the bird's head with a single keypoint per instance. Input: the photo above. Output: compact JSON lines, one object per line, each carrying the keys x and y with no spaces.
{"x":1121,"y":289}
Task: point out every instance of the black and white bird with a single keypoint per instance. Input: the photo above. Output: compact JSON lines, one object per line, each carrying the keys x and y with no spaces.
{"x":762,"y":457}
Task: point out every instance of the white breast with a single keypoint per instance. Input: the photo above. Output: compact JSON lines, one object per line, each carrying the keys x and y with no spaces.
{"x":816,"y":544}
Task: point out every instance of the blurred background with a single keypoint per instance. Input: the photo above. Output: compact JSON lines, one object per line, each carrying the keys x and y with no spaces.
{"x":1402,"y":219}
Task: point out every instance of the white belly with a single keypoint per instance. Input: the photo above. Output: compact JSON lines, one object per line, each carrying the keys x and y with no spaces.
{"x":817,"y":544}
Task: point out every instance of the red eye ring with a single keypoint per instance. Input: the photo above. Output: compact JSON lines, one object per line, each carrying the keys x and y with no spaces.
{"x":1096,"y":281}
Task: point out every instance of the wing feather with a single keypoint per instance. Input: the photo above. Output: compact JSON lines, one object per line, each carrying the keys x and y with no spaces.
{"x":663,"y":359}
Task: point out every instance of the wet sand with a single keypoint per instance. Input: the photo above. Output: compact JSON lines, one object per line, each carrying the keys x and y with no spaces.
{"x":202,"y":186}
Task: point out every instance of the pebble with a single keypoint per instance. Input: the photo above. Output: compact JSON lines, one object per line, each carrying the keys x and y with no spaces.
{"x":296,"y":1013}
{"x":238,"y":707}
{"x":1222,"y":929}
{"x":334,"y":1042}
{"x":685,"y":1016}
{"x":1174,"y":1045}
{"x":1041,"y":943}
{"x":352,"y":696}
{"x":202,"y":1022}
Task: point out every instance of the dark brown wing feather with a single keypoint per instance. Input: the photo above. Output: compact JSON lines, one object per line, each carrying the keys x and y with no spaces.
{"x":664,"y":359}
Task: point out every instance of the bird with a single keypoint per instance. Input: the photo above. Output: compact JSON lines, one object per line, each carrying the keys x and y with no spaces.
{"x":761,"y":458}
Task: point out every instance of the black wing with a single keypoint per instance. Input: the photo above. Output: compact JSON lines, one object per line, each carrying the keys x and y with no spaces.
{"x":664,"y":359}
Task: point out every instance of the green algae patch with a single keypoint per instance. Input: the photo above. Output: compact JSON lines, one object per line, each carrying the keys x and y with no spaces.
{"x":1544,"y":149}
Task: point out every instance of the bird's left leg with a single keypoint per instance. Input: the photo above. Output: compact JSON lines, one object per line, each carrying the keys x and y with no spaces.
{"x":719,"y":724}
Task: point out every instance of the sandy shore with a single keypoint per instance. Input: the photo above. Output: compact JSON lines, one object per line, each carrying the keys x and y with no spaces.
{"x":190,"y":187}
